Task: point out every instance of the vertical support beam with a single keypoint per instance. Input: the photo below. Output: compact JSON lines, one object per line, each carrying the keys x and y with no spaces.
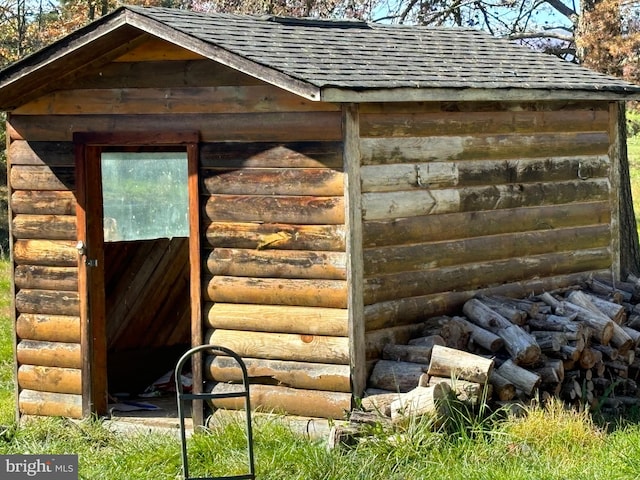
{"x":195,"y":265}
{"x":14,"y":314}
{"x":629,"y":249}
{"x":91,"y":290}
{"x":614,"y":180}
{"x":355,"y":275}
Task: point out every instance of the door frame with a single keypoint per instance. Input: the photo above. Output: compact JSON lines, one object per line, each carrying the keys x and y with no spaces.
{"x":90,"y":235}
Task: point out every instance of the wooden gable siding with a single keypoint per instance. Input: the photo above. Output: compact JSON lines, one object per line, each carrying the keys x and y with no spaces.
{"x":463,"y":197}
{"x":272,"y":205}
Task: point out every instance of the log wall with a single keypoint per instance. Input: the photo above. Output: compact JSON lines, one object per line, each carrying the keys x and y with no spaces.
{"x":461,"y":198}
{"x":273,"y":226}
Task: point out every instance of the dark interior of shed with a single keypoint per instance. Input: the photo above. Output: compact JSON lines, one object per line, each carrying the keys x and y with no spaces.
{"x":147,"y":313}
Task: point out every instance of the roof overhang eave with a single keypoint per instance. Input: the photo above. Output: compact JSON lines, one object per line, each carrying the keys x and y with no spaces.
{"x":428,"y":94}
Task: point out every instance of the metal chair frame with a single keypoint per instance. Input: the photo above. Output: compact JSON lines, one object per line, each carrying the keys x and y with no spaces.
{"x":182,"y":397}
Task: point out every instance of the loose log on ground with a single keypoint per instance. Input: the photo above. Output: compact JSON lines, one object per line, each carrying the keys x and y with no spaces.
{"x":452,"y":363}
{"x":503,"y":388}
{"x":407,"y":353}
{"x":520,"y":345}
{"x":483,"y":337}
{"x":521,"y":378}
{"x":379,"y":402}
{"x":464,"y":391}
{"x":396,"y":376}
{"x":421,"y":401}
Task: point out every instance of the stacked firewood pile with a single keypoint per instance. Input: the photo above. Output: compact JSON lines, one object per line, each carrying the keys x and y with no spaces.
{"x":578,"y":344}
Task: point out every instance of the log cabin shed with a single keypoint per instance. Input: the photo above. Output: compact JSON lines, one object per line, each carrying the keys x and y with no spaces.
{"x":300,"y":191}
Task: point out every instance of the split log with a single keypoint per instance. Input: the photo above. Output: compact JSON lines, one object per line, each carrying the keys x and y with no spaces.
{"x":521,"y":378}
{"x":396,"y":376}
{"x":421,"y":401}
{"x":503,"y":388}
{"x":407,"y":353}
{"x":520,"y":345}
{"x":483,"y":337}
{"x":287,"y":400}
{"x":452,"y":363}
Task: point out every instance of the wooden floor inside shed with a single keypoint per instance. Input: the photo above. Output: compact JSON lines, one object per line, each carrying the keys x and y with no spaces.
{"x":166,"y":416}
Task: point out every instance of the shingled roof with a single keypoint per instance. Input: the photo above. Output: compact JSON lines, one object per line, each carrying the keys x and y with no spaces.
{"x":342,"y":61}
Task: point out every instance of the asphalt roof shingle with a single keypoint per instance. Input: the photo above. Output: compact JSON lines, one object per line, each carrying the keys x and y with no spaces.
{"x":358,"y":55}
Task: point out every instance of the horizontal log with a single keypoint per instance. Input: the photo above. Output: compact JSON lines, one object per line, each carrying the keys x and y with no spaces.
{"x":269,"y":181}
{"x":422,"y":401}
{"x":271,"y":155}
{"x":274,"y":291}
{"x":521,"y":378}
{"x":56,"y":253}
{"x":492,"y":120}
{"x":305,"y":375}
{"x":601,"y":325}
{"x":482,"y":337}
{"x":277,"y":236}
{"x":420,"y":256}
{"x":268,"y":398}
{"x":51,"y":328}
{"x":283,"y":346}
{"x":31,"y":402}
{"x":396,"y":376}
{"x":406,"y":176}
{"x":278,"y":319}
{"x":390,"y":205}
{"x":276,"y":209}
{"x":28,"y":177}
{"x":45,"y":227}
{"x":451,"y":363}
{"x":440,"y":148}
{"x":49,"y":354}
{"x":47,"y":302}
{"x":277,"y":263}
{"x":407,"y":353}
{"x":288,"y":127}
{"x":403,"y":311}
{"x":521,"y":345}
{"x":451,"y":226}
{"x":50,"y":379}
{"x":376,"y":340}
{"x":46,"y":278}
{"x":476,"y":275}
{"x":504,"y":389}
{"x":43,"y":202}
{"x":174,"y":100}
{"x":56,"y":154}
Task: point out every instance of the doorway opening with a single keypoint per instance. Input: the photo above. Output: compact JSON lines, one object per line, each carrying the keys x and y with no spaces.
{"x":139,"y":276}
{"x":146,"y":277}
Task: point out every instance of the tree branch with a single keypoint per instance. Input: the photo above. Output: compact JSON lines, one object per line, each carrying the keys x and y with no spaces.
{"x":562,"y":8}
{"x":549,"y":34}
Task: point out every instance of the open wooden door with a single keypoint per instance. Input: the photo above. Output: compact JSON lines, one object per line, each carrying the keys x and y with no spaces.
{"x":93,"y":153}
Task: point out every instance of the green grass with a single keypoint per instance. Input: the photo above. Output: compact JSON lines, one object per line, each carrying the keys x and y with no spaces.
{"x":633,"y":147}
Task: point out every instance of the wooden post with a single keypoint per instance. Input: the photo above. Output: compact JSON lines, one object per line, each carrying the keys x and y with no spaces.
{"x":355,"y":262}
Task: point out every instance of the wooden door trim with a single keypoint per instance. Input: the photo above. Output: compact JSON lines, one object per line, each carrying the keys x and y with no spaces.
{"x":91,"y":289}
